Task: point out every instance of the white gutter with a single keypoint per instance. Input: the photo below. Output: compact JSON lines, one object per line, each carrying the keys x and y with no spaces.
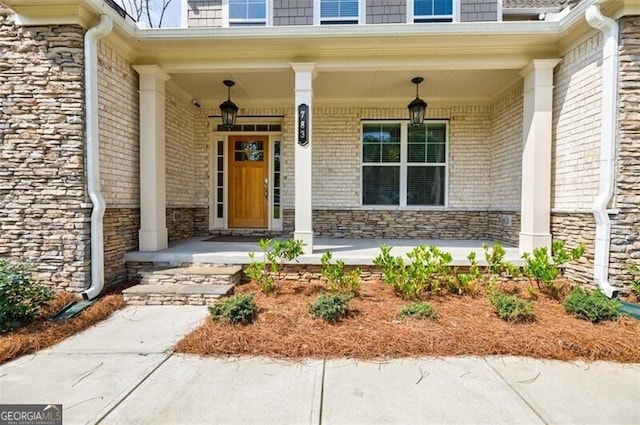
{"x":609,"y":29}
{"x":93,"y":153}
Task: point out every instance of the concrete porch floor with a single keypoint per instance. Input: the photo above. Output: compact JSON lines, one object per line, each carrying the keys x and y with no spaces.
{"x":351,"y":251}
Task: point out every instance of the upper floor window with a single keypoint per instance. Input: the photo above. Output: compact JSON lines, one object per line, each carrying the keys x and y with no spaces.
{"x":432,"y":10}
{"x":247,"y":12}
{"x":339,"y":12}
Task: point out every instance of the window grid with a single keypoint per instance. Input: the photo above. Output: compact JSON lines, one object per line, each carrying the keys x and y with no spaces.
{"x":432,"y":10}
{"x":247,"y":12}
{"x":277,"y":175}
{"x":339,"y":11}
{"x":220,"y":180}
{"x":406,"y":179}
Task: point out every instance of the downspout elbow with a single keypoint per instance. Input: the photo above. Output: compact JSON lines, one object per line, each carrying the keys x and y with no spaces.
{"x":609,"y":29}
{"x":93,"y":154}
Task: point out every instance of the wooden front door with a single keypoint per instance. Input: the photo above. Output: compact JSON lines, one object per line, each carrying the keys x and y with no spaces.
{"x":248,"y":181}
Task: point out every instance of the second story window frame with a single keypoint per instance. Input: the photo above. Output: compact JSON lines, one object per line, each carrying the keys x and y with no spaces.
{"x":361,"y":18}
{"x":453,"y":17}
{"x":228,"y":21}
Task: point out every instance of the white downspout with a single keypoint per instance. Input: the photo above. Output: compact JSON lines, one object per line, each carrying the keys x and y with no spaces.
{"x":93,"y":154}
{"x":609,"y":29}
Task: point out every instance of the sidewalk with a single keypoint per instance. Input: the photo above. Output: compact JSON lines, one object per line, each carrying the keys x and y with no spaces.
{"x":122,"y":371}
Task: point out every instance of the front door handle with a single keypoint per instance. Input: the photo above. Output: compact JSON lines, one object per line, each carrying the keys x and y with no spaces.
{"x":266,"y":188}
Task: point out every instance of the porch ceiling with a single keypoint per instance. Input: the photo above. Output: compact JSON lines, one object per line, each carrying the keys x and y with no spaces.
{"x":364,"y":88}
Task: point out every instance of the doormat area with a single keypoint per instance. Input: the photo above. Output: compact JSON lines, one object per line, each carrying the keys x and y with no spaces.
{"x":232,"y":238}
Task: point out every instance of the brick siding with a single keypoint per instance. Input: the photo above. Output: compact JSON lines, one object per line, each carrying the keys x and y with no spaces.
{"x":576,"y":127}
{"x":119,"y":106}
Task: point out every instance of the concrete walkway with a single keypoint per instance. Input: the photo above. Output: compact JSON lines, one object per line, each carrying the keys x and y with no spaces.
{"x":122,"y":371}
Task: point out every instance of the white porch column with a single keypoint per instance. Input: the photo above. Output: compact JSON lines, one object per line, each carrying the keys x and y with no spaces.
{"x":153,"y":226}
{"x":535,"y":212}
{"x":304,"y":74}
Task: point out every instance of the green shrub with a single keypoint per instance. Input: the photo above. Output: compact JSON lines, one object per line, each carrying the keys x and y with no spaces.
{"x":20,"y":297}
{"x":275,"y":254}
{"x":418,"y":310}
{"x":467,"y":283}
{"x":238,"y":309}
{"x":330,"y":307}
{"x":512,"y":308}
{"x":337,"y":280}
{"x":591,"y":305}
{"x":427,"y":270}
{"x":635,"y":282}
{"x":545,"y":268}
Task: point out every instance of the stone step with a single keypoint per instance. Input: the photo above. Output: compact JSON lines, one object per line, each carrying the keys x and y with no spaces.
{"x":175,"y":294}
{"x":195,"y":275}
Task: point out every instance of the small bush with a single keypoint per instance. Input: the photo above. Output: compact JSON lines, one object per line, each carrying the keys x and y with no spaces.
{"x":428,"y":269}
{"x":20,"y":297}
{"x":591,"y":305}
{"x":635,"y":282}
{"x":337,"y":280}
{"x":545,"y":268}
{"x":418,"y":310}
{"x":239,"y":309}
{"x":276,"y":254}
{"x":331,"y":307}
{"x":512,"y":308}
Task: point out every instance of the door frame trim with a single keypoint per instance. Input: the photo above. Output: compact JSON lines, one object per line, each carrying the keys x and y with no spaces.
{"x":216,"y":223}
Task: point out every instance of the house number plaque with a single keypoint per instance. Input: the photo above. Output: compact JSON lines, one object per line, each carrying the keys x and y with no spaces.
{"x":303,"y":124}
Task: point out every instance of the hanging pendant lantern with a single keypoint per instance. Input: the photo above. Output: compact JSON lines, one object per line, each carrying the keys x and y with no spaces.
{"x":228,"y":109}
{"x":417,"y":107}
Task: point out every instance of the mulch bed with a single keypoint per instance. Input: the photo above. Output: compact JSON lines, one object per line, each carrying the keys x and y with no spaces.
{"x":465,"y":326}
{"x":41,"y":333}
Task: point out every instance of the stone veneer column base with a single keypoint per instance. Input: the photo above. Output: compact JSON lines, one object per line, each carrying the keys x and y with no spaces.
{"x":412,"y":224}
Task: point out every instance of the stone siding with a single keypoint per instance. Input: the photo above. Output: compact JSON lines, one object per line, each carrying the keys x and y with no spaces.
{"x":204,"y":13}
{"x":574,"y":228}
{"x":181,"y":223}
{"x":119,"y":109}
{"x":386,"y":11}
{"x":407,"y":224}
{"x":576,"y":127}
{"x":504,"y":226}
{"x":121,"y":227}
{"x":43,"y":218}
{"x":625,"y":229}
{"x":292,"y":12}
{"x":478,"y":10}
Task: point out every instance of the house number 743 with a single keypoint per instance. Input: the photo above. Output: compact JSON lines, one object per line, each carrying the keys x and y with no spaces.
{"x":303,"y":124}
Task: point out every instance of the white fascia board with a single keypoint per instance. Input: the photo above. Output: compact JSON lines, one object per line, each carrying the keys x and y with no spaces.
{"x":368,"y":31}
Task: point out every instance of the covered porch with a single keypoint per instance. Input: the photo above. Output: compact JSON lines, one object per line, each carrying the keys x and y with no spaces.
{"x":491,"y":114}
